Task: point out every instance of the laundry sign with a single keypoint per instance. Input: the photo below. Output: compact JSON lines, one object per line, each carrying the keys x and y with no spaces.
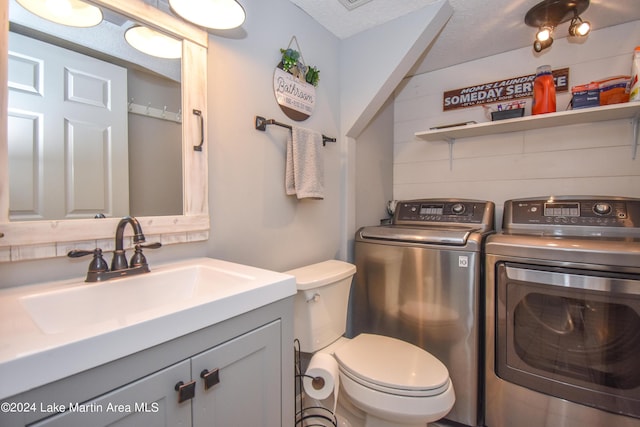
{"x":499,"y":91}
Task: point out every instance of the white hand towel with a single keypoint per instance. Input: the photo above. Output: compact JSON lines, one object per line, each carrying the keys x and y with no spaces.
{"x":304,"y":171}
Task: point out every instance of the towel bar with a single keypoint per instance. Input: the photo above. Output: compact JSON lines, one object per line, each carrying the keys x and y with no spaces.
{"x":261,"y":124}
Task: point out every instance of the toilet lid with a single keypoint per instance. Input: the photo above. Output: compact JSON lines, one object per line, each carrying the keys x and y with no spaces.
{"x":392,"y":365}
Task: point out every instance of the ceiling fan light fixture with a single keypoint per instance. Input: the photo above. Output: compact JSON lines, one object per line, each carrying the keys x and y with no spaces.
{"x":213,"y":14}
{"x":153,"y":42}
{"x":72,"y":13}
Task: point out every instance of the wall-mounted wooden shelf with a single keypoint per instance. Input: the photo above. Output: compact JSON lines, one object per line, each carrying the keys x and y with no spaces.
{"x":629,"y":110}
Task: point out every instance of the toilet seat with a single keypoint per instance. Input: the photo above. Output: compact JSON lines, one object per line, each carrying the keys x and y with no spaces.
{"x":392,"y":366}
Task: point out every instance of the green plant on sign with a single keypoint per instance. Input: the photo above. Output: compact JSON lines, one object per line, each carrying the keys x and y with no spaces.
{"x":291,"y":63}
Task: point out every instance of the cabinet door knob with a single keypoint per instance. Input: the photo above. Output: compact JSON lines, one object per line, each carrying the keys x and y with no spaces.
{"x":210,"y":378}
{"x":185,"y":391}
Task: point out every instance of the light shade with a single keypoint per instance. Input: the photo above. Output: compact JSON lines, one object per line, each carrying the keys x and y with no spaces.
{"x":73,"y":13}
{"x":214,"y":14}
{"x":153,"y":43}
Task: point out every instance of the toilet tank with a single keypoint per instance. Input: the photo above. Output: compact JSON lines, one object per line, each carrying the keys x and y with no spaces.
{"x":321,"y":303}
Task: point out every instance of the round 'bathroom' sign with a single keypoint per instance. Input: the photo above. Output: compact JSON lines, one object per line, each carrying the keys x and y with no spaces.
{"x":295,"y":96}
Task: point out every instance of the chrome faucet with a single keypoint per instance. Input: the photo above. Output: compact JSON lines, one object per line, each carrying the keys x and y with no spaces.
{"x":99,"y":269}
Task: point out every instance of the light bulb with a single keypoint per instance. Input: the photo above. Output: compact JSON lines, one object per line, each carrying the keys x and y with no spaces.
{"x":583,"y":29}
{"x":543,"y":34}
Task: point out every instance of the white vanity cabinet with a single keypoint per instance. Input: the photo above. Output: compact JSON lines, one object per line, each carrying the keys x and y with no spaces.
{"x":241,"y":370}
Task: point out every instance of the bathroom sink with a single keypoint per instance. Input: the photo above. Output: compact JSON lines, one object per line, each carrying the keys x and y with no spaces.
{"x":71,"y":326}
{"x":130,"y":300}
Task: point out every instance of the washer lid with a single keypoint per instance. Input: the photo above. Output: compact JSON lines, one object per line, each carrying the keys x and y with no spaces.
{"x":392,"y":363}
{"x":456,"y":236}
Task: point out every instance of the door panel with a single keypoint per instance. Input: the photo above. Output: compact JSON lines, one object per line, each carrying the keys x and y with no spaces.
{"x":249,"y":392}
{"x":570,"y":333}
{"x":76,"y":146}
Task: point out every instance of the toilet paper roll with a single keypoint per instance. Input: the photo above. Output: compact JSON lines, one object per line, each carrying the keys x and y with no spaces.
{"x":322,"y":378}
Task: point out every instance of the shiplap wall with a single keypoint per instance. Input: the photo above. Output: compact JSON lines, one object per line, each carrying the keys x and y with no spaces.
{"x":590,"y":158}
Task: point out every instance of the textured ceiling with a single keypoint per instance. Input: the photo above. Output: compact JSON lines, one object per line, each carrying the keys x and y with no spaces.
{"x":344,"y":23}
{"x":477,"y":29}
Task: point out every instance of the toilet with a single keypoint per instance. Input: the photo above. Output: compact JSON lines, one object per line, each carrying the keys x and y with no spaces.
{"x":384,"y":381}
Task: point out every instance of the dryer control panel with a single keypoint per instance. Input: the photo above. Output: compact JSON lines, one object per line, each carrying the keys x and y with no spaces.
{"x":439,"y":211}
{"x":567,"y":215}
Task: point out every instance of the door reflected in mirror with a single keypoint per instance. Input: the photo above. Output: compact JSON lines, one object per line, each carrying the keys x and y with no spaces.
{"x":92,"y":129}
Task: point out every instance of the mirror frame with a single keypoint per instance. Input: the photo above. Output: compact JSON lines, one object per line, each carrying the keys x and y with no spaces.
{"x":23,"y":240}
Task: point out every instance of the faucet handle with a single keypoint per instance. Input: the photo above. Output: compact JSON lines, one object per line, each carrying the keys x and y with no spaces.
{"x":138,"y":258}
{"x":155,"y":245}
{"x":77,"y":253}
{"x":98,"y":264}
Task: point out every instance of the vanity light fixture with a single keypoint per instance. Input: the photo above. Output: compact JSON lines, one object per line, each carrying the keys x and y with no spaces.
{"x":213,"y":14}
{"x":548,"y":14}
{"x":153,"y":42}
{"x":73,"y":13}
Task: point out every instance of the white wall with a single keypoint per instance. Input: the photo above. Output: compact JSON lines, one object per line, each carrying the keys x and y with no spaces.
{"x":253,"y":221}
{"x":374,"y":168}
{"x":369,"y":74}
{"x":593,"y":158}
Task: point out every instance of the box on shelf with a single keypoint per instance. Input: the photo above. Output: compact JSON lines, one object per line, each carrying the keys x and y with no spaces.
{"x":509,"y":110}
{"x":507,"y":114}
{"x":614,"y":90}
{"x":585,"y":96}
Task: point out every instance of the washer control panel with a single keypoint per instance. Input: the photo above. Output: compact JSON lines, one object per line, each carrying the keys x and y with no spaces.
{"x":603,"y":212}
{"x":424,"y":211}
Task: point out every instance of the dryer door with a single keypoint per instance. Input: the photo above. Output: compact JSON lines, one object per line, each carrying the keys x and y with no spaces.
{"x":570,"y":333}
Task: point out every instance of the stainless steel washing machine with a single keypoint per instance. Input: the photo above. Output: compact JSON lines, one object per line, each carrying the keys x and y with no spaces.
{"x":563,"y":314}
{"x":419,"y":279}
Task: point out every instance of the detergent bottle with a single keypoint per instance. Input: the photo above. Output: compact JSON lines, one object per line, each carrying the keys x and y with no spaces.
{"x":544,"y":91}
{"x":634,"y":95}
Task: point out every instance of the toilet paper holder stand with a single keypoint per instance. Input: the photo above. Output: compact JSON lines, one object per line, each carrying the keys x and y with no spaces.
{"x":304,"y":413}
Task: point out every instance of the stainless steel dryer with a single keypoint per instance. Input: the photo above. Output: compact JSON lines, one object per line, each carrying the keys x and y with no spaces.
{"x":563,"y":314}
{"x":418,"y":279}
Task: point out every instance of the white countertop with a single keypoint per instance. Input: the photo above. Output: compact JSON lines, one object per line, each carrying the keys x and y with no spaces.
{"x":31,"y":357}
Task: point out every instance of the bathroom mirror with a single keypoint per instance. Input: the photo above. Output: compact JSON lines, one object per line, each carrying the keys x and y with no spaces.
{"x":136,"y":169}
{"x":28,"y":239}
